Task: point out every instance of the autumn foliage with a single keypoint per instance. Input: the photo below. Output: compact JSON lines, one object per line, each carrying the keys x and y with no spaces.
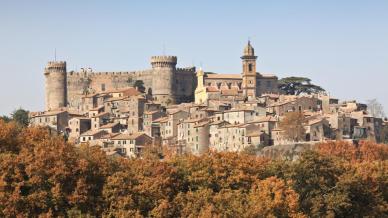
{"x":43,"y":176}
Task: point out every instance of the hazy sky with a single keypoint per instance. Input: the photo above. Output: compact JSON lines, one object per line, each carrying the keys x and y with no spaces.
{"x":340,"y":45}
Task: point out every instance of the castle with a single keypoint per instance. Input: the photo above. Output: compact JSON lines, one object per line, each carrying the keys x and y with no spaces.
{"x":166,"y":83}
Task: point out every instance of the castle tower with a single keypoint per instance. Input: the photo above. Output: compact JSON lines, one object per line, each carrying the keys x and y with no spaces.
{"x":55,"y":85}
{"x":249,"y":71}
{"x":163,"y":84}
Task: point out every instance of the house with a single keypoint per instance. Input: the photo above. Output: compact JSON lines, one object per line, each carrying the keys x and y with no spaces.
{"x":99,"y":120}
{"x":131,"y":145}
{"x":55,"y":120}
{"x":92,"y":137}
{"x":77,"y":126}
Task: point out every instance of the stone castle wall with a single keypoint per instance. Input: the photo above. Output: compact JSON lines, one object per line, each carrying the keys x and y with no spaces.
{"x":167,"y":83}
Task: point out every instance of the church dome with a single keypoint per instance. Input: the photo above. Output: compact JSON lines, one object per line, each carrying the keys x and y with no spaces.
{"x":249,"y":50}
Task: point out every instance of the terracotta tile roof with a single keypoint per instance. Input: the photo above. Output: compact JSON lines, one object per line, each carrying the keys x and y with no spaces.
{"x":161,"y":120}
{"x":129,"y":136}
{"x":109,"y":135}
{"x":46,"y":113}
{"x":193,"y":120}
{"x":201,"y":124}
{"x":229,"y":92}
{"x":116,"y":99}
{"x":239,"y":109}
{"x":150,"y":112}
{"x":264,"y":119}
{"x":314,"y":121}
{"x":212,"y":89}
{"x":223,"y":76}
{"x":109,"y":125}
{"x":92,"y":132}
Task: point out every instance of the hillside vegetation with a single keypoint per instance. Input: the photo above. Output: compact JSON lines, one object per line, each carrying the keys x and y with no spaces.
{"x":43,"y":176}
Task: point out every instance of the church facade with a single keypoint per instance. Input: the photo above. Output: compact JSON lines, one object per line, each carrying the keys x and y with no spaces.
{"x":247,"y":85}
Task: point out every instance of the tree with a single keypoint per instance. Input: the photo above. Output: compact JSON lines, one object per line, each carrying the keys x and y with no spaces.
{"x":292,"y":125}
{"x":20,"y":116}
{"x":5,"y":118}
{"x":298,"y":85}
{"x":139,"y":84}
{"x":273,"y":198}
{"x":314,"y":176}
{"x":375,"y":108}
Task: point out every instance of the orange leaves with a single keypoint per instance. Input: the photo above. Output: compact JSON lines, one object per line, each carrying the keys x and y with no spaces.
{"x":41,"y":175}
{"x":8,"y":137}
{"x":366,"y":151}
{"x":292,"y":125}
{"x":273,"y":198}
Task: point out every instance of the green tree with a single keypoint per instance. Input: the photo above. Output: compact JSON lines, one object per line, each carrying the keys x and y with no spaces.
{"x":139,"y":84}
{"x":20,"y":116}
{"x":314,"y":177}
{"x":298,"y":85}
{"x":5,"y":118}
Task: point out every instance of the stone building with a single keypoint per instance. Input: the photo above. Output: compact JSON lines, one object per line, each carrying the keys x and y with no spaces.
{"x":55,"y":120}
{"x":167,"y":83}
{"x":247,"y":85}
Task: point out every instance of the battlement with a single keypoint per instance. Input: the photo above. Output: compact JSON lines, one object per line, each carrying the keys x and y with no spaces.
{"x":186,"y":69}
{"x":163,"y":61}
{"x":56,"y":64}
{"x":107,"y":74}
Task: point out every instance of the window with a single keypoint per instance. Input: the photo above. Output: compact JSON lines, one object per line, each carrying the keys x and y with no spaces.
{"x":196,"y":146}
{"x":90,"y":138}
{"x":103,"y":87}
{"x":76,"y":129}
{"x":250,"y":67}
{"x":196,"y":138}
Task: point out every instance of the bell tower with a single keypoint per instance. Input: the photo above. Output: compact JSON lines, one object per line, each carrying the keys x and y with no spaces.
{"x":249,"y":71}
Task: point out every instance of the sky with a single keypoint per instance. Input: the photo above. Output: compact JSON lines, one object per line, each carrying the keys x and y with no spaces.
{"x":340,"y":45}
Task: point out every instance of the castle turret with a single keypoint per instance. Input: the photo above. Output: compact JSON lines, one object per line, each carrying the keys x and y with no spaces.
{"x":163,"y":86}
{"x":55,"y":85}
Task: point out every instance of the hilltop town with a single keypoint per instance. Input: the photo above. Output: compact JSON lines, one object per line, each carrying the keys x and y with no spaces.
{"x":189,"y":110}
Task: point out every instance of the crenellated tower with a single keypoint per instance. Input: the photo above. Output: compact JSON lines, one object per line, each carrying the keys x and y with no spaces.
{"x":163,"y":84}
{"x":249,"y":71}
{"x":55,"y":85}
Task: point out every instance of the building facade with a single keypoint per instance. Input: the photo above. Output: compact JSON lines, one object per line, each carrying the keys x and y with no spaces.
{"x":246,"y":86}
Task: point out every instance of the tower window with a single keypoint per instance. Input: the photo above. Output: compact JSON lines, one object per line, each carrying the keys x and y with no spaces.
{"x":103,"y":87}
{"x":250,"y":67}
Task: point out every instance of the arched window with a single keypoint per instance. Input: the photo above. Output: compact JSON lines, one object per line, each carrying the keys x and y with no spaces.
{"x":250,"y":67}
